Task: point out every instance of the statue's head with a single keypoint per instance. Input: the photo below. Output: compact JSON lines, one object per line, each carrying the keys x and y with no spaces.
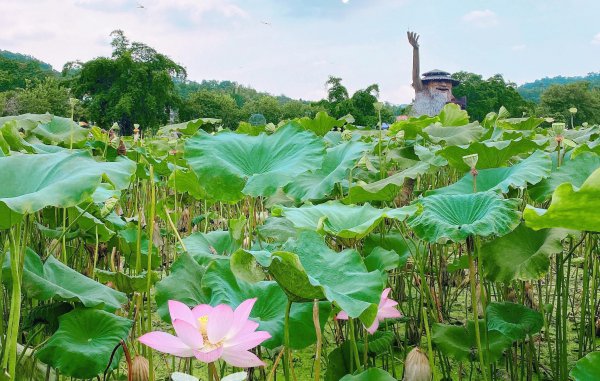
{"x":439,"y":82}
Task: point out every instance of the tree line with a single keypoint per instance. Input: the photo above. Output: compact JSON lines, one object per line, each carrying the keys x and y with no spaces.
{"x":138,"y":85}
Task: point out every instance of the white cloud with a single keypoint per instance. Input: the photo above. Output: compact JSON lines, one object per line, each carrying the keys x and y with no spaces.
{"x":519,"y":47}
{"x":481,"y":18}
{"x":596,"y":39}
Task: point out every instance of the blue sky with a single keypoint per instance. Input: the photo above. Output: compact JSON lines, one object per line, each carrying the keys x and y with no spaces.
{"x":291,"y":46}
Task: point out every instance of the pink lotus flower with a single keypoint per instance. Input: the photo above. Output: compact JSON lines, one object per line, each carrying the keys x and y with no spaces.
{"x":209,"y":333}
{"x":385,"y":310}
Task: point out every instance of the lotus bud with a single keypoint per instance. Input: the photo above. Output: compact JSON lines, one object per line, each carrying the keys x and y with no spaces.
{"x":136,"y":132}
{"x":109,"y":206}
{"x":549,"y":120}
{"x":73,"y":102}
{"x":471,"y":160}
{"x":416,"y":367}
{"x":347,"y":135}
{"x":270,"y":128}
{"x":140,"y":369}
{"x":400,"y":135}
{"x":573,"y":110}
{"x":378,"y":106}
{"x":220,"y":128}
{"x":585,"y":124}
{"x":122,"y":150}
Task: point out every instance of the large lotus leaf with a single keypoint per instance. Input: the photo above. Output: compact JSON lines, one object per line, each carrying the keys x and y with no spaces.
{"x":128,"y":245}
{"x":232,"y":165}
{"x":492,"y":154}
{"x":587,"y":368}
{"x":182,"y":284}
{"x":308,"y":269}
{"x":221,"y":286}
{"x":529,"y":171}
{"x":413,"y":126}
{"x":455,"y":217}
{"x":523,"y":254}
{"x":27,"y":122}
{"x":428,"y":155}
{"x":519,"y":123}
{"x":452,"y":136}
{"x":570,"y":208}
{"x":593,"y":146}
{"x":62,"y":131}
{"x":460,"y":342}
{"x":61,"y":179}
{"x":127,"y":283}
{"x":54,"y":280}
{"x":316,"y":185}
{"x":514,"y":321}
{"x":371,"y":374}
{"x":386,"y":189}
{"x":574,"y":171}
{"x":187,"y":181}
{"x":321,"y":124}
{"x":582,"y":135}
{"x":119,"y":172}
{"x":187,"y":128}
{"x":345,"y":221}
{"x":452,"y":115}
{"x":202,"y":245}
{"x":89,"y":225}
{"x":83,"y":344}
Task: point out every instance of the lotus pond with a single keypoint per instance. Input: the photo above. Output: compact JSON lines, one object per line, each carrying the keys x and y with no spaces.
{"x":440,"y":249}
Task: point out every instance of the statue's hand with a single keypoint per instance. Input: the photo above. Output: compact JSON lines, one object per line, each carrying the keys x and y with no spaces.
{"x":413,"y":39}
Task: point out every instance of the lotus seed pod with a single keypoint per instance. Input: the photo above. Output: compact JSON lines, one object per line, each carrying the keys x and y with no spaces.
{"x":573,"y":110}
{"x":558,"y":128}
{"x":115,"y":126}
{"x":417,"y":367}
{"x":549,"y":120}
{"x":347,"y":135}
{"x":471,"y":160}
{"x":140,"y":369}
{"x":378,"y":106}
{"x":72,"y":102}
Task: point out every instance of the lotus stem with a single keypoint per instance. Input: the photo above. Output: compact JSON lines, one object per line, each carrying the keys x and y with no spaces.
{"x":474,"y":308}
{"x":353,"y":343}
{"x":319,"y":339}
{"x":150,"y":247}
{"x":287,"y":361}
{"x":172,"y":225}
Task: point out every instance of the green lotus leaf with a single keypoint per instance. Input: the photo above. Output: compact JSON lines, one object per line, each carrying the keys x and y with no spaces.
{"x":371,"y":374}
{"x":83,"y":344}
{"x":316,"y":185}
{"x":26,"y":122}
{"x":592,"y":146}
{"x":531,"y":170}
{"x":13,"y":139}
{"x":582,"y":135}
{"x":54,"y":280}
{"x":386,"y":189}
{"x":187,"y":128}
{"x":232,"y":165}
{"x":460,"y":343}
{"x":345,"y":221}
{"x":382,"y":260}
{"x":278,"y":229}
{"x":492,"y":154}
{"x":61,"y":180}
{"x":204,"y":245}
{"x":575,"y":171}
{"x":428,"y":155}
{"x":523,"y":254}
{"x":127,"y":283}
{"x":452,"y":136}
{"x":570,"y":208}
{"x":412,"y":126}
{"x":519,"y":123}
{"x":452,"y":115}
{"x":89,"y":225}
{"x":221,"y":286}
{"x":61,"y":131}
{"x":308,"y":269}
{"x":321,"y":124}
{"x":587,"y":368}
{"x":514,"y":321}
{"x":186,"y":181}
{"x":392,"y":241}
{"x":455,"y":217}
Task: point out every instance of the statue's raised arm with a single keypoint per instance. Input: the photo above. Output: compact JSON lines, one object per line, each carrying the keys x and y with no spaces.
{"x":413,"y":39}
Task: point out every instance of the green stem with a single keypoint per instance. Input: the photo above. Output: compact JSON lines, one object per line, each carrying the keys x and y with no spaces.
{"x":150,"y":247}
{"x":287,"y":361}
{"x":353,"y":343}
{"x":475,"y":315}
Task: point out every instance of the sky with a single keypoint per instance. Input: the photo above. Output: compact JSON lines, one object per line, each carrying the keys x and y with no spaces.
{"x":291,"y":46}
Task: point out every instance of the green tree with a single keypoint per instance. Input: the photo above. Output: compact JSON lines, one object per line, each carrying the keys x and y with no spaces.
{"x":211,"y":104}
{"x":17,"y":69}
{"x":486,"y":95}
{"x":38,"y":97}
{"x":135,"y":85}
{"x":266,"y":105}
{"x":336,"y":92}
{"x":557,"y":100}
{"x":296,"y":109}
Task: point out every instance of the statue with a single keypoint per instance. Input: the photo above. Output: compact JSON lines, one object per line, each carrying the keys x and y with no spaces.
{"x":434,"y":90}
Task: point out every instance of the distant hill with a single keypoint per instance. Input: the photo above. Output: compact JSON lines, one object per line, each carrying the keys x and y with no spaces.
{"x":532,"y":91}
{"x":16,"y":69}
